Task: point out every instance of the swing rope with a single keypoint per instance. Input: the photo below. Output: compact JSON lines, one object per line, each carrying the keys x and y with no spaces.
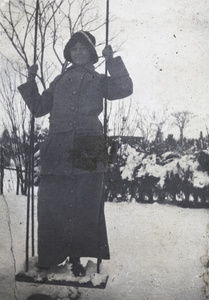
{"x":30,"y":194}
{"x":106,"y":42}
{"x":105,"y":133}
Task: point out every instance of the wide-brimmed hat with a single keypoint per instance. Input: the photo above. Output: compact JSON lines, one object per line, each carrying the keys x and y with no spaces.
{"x":87,"y":39}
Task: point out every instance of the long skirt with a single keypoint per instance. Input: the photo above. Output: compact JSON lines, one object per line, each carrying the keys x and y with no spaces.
{"x":71,"y":219}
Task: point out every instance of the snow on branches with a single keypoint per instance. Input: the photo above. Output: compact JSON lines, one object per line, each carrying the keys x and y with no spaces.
{"x":168,"y":174}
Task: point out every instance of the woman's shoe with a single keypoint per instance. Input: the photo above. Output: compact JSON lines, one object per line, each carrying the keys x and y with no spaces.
{"x":77,"y":268}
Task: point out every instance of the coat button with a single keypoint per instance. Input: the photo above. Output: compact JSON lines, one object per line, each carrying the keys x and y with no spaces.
{"x":73,"y":107}
{"x":74,"y":92}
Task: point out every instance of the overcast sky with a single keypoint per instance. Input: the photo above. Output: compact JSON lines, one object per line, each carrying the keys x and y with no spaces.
{"x":166,"y":52}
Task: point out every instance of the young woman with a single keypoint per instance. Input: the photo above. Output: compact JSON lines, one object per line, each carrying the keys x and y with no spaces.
{"x":71,"y":220}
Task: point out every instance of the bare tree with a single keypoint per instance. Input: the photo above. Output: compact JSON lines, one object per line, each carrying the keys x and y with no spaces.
{"x":159,"y":120}
{"x":151,"y":124}
{"x":18,"y":21}
{"x":121,"y":122}
{"x":181,"y":120}
{"x":16,"y":122}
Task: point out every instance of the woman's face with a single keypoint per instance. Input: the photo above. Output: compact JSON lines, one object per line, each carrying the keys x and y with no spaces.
{"x":80,"y":55}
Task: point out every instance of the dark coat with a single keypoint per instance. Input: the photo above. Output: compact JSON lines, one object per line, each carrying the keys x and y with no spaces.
{"x":73,"y":160}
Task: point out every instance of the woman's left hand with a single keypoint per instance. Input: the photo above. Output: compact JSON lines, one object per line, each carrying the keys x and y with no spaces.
{"x":107,"y":52}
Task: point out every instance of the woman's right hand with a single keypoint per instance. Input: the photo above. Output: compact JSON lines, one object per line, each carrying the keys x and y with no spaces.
{"x":32,"y":72}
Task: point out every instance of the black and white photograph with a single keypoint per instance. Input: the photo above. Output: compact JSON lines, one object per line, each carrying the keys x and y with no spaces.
{"x":104,"y":150}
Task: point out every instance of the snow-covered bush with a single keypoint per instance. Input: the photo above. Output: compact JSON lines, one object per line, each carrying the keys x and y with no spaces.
{"x":167,"y":177}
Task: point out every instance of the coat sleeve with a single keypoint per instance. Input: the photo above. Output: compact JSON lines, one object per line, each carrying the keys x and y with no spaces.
{"x":39,"y":105}
{"x":119,"y":85}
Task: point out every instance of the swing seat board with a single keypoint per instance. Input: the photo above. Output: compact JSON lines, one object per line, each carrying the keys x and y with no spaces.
{"x":62,"y":275}
{"x":20,"y":277}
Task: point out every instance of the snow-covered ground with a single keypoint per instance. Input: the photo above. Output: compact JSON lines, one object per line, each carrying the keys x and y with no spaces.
{"x":158,"y":252}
